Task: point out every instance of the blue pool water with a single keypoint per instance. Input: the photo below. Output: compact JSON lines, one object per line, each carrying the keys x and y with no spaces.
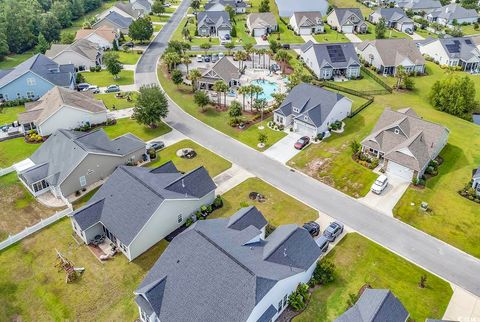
{"x":268,"y":89}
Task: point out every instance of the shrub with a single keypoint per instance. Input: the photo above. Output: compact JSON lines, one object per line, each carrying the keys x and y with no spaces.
{"x":320,"y":136}
{"x":92,"y":69}
{"x":298,"y":299}
{"x":98,"y":68}
{"x":324,"y":272}
{"x":218,"y":202}
{"x":188,"y":222}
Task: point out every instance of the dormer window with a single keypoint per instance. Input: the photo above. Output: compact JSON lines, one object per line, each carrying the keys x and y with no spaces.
{"x":305,"y":118}
{"x":397,"y":131}
{"x":296,"y":110}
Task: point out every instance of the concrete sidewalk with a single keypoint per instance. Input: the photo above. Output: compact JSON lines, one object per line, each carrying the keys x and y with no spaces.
{"x":231,"y":178}
{"x":170,"y":138}
{"x":463,"y":306}
{"x":353,"y":38}
{"x":123,"y":88}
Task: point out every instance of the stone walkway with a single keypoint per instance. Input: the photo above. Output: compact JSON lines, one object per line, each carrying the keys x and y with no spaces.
{"x":463,"y":306}
{"x":353,"y":38}
{"x":231,"y":178}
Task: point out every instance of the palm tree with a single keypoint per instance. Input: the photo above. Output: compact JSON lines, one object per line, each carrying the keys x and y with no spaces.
{"x":243,"y":90}
{"x":194,"y":76}
{"x":220,"y":87}
{"x":283,"y":57}
{"x":185,"y":33}
{"x":238,"y":56}
{"x":248,"y":49}
{"x":186,"y":61}
{"x":254,"y":90}
{"x":171,"y":59}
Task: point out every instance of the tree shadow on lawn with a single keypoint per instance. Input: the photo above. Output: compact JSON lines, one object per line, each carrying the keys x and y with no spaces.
{"x":453,"y":159}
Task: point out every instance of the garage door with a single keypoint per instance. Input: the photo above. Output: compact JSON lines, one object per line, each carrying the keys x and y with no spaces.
{"x":347,"y":29}
{"x":304,"y":129}
{"x":399,"y":171}
{"x":222,"y":33}
{"x":259,"y":32}
{"x":305,"y":31}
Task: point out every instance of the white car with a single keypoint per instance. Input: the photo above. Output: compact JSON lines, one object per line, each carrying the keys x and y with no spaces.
{"x":220,"y":55}
{"x":380,"y":184}
{"x":199,"y":59}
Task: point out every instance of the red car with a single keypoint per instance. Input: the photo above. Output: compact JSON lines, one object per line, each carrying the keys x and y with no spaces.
{"x":302,"y":142}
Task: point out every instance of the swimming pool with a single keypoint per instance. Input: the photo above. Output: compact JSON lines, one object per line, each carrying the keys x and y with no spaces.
{"x":268,"y":88}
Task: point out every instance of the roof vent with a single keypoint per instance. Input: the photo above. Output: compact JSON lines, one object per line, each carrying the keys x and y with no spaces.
{"x":178,"y":261}
{"x":183,"y":184}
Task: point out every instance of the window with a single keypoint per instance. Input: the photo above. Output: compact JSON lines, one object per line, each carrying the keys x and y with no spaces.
{"x":285,"y":300}
{"x":295,"y":110}
{"x":180,"y":218}
{"x":280,"y":305}
{"x":83,"y":181}
{"x":31,"y":95}
{"x":90,"y":171}
{"x":31,"y":82}
{"x":305,"y":118}
{"x":396,"y":131}
{"x":19,"y":96}
{"x":1,"y":96}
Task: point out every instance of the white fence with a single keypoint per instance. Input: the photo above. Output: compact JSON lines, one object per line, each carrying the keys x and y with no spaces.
{"x":6,"y":170}
{"x":33,"y":229}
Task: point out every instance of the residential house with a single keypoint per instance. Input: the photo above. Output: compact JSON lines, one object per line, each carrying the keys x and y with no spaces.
{"x":418,"y":6}
{"x":376,"y":305}
{"x":62,"y":108}
{"x":476,"y":41}
{"x":405,"y":142}
{"x":34,"y":77}
{"x":104,"y":36}
{"x":220,"y":5}
{"x":286,"y":8}
{"x":144,"y":6}
{"x":137,"y":207}
{"x":226,"y":269}
{"x":331,"y":60}
{"x":310,"y":110}
{"x":458,"y":51}
{"x":386,"y":55}
{"x":261,"y":23}
{"x":347,"y":20}
{"x":395,"y":18}
{"x":124,"y":9}
{"x":223,"y":70}
{"x":476,"y":180}
{"x":83,"y":54}
{"x":115,"y":21}
{"x":307,"y":22}
{"x":214,"y":24}
{"x":452,"y":14}
{"x":70,"y":161}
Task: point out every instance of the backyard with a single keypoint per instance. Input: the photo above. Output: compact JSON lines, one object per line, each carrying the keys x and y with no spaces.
{"x":360,"y":261}
{"x":212,"y":162}
{"x":128,"y":58}
{"x":15,"y":59}
{"x":104,"y":78}
{"x":15,"y":150}
{"x":10,"y":114}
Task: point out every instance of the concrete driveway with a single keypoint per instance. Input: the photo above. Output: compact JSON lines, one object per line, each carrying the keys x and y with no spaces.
{"x":283,"y":150}
{"x":353,"y":38}
{"x":389,"y":197}
{"x":260,"y":41}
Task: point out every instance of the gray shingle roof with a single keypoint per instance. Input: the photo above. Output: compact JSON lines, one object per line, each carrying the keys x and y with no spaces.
{"x":324,"y":58}
{"x":314,"y":101}
{"x":64,"y":149}
{"x":214,"y":18}
{"x":216,"y":273}
{"x":343,"y":14}
{"x":118,"y":20}
{"x":60,"y":75}
{"x":453,"y":11}
{"x":83,"y":47}
{"x":418,"y":136}
{"x":419,"y":4}
{"x":375,"y":305}
{"x":128,"y":9}
{"x":248,"y":216}
{"x":224,"y":69}
{"x":131,"y":196}
{"x":460,"y":47}
{"x":231,"y":3}
{"x":393,"y":14}
{"x":308,"y":18}
{"x":394,"y":51}
{"x":262,"y":20}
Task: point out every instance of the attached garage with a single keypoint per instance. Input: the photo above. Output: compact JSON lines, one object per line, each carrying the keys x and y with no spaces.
{"x":399,"y":171}
{"x":223,"y":32}
{"x":306,"y":31}
{"x":258,"y":32}
{"x":304,"y":129}
{"x":347,"y":29}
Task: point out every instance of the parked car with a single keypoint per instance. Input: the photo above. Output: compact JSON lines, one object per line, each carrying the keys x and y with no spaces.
{"x":199,"y":59}
{"x":286,"y":46}
{"x":156,"y":145}
{"x":302,"y":142}
{"x":409,"y":31}
{"x":214,"y":58}
{"x":207,"y":58}
{"x":221,"y":55}
{"x":333,"y":231}
{"x":322,"y":243}
{"x":83,"y":86}
{"x":112,"y":89}
{"x":312,"y":227}
{"x":92,"y":88}
{"x":380,"y":184}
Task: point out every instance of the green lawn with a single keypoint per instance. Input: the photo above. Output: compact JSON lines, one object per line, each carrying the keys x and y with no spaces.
{"x":10,"y":114}
{"x":243,"y":36}
{"x":212,"y":162}
{"x":330,"y":36}
{"x":104,"y":78}
{"x":131,"y":126}
{"x":365,"y":84}
{"x":159,"y":18}
{"x":157,"y":28}
{"x":15,"y":150}
{"x":13,"y":60}
{"x":110,"y":100}
{"x":128,"y":58}
{"x":470,"y":30}
{"x":358,"y":262}
{"x":390,"y":33}
{"x":182,"y":95}
{"x":278,"y":208}
{"x":104,"y":291}
{"x":285,"y":35}
{"x":425,"y":33}
{"x":196,"y":41}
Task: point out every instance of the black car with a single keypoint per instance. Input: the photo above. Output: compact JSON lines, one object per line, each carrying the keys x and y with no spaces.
{"x":333,"y":231}
{"x":207,"y":58}
{"x":286,"y":46}
{"x":156,"y":145}
{"x":312,"y":227}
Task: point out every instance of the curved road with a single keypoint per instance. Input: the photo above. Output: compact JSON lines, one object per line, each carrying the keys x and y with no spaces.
{"x":424,"y":250}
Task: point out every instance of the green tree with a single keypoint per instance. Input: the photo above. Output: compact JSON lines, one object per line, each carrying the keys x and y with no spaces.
{"x":231,"y":12}
{"x":274,"y":45}
{"x":3,"y":45}
{"x":264,"y":6}
{"x":141,"y":29}
{"x":158,"y":8}
{"x":220,"y":87}
{"x":278,"y":99}
{"x":355,"y":147}
{"x":151,"y":106}
{"x":67,"y":38}
{"x":283,"y":57}
{"x":235,"y":110}
{"x":195,"y":5}
{"x":194,"y":76}
{"x":111,"y":61}
{"x":177,"y":77}
{"x":50,"y":27}
{"x":206,"y":46}
{"x":186,"y":61}
{"x":244,"y":90}
{"x":171,"y":60}
{"x":179,"y":47}
{"x":298,"y":299}
{"x":324,"y":272}
{"x":455,"y":95}
{"x":380,"y":29}
{"x":262,"y":138}
{"x":42,"y":45}
{"x":229,"y":45}
{"x":255,"y":90}
{"x":63,"y":11}
{"x":201,"y":99}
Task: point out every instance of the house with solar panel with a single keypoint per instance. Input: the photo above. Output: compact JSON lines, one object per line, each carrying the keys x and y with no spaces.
{"x":459,"y":51}
{"x":137,"y":206}
{"x":331,"y":60}
{"x":226,"y":269}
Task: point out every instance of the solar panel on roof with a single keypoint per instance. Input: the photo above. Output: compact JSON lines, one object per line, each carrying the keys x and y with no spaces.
{"x":336,"y":54}
{"x":453,"y":48}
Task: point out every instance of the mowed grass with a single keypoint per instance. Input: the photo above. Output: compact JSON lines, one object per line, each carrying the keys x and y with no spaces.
{"x":366,"y":83}
{"x":15,"y":150}
{"x":358,"y":262}
{"x":390,"y":33}
{"x":10,"y":114}
{"x":278,"y":208}
{"x":331,"y":36}
{"x":110,"y":100}
{"x":212,"y":162}
{"x":191,"y":25}
{"x":128,"y":58}
{"x":128,"y":125}
{"x":104,"y":78}
{"x":33,"y":289}
{"x":15,"y":59}
{"x":182,"y":95}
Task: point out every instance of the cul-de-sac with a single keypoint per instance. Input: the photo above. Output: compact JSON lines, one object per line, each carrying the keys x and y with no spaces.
{"x":240,"y":160}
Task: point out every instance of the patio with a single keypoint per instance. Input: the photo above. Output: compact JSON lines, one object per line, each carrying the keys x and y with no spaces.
{"x":104,"y":250}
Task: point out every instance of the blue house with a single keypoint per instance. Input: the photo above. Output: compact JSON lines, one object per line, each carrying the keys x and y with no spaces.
{"x":34,"y":77}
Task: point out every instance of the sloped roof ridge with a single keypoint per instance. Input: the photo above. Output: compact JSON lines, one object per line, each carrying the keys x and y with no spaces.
{"x":123,"y":168}
{"x":279,"y":242}
{"x":183,"y":176}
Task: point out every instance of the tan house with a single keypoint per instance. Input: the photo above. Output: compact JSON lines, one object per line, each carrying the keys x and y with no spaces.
{"x":103,"y":36}
{"x":261,"y":23}
{"x":83,"y":54}
{"x":223,"y":70}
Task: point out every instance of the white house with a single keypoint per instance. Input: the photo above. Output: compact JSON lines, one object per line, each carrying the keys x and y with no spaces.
{"x":331,"y":60}
{"x":83,"y":54}
{"x":261,"y":23}
{"x":227,"y":270}
{"x":62,"y":108}
{"x":307,"y":22}
{"x":347,"y":20}
{"x":103,"y":36}
{"x":459,"y":51}
{"x":405,"y":142}
{"x":451,"y":13}
{"x":126,"y":10}
{"x":394,"y":18}
{"x":137,"y":207}
{"x":220,"y":5}
{"x":310,"y":110}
